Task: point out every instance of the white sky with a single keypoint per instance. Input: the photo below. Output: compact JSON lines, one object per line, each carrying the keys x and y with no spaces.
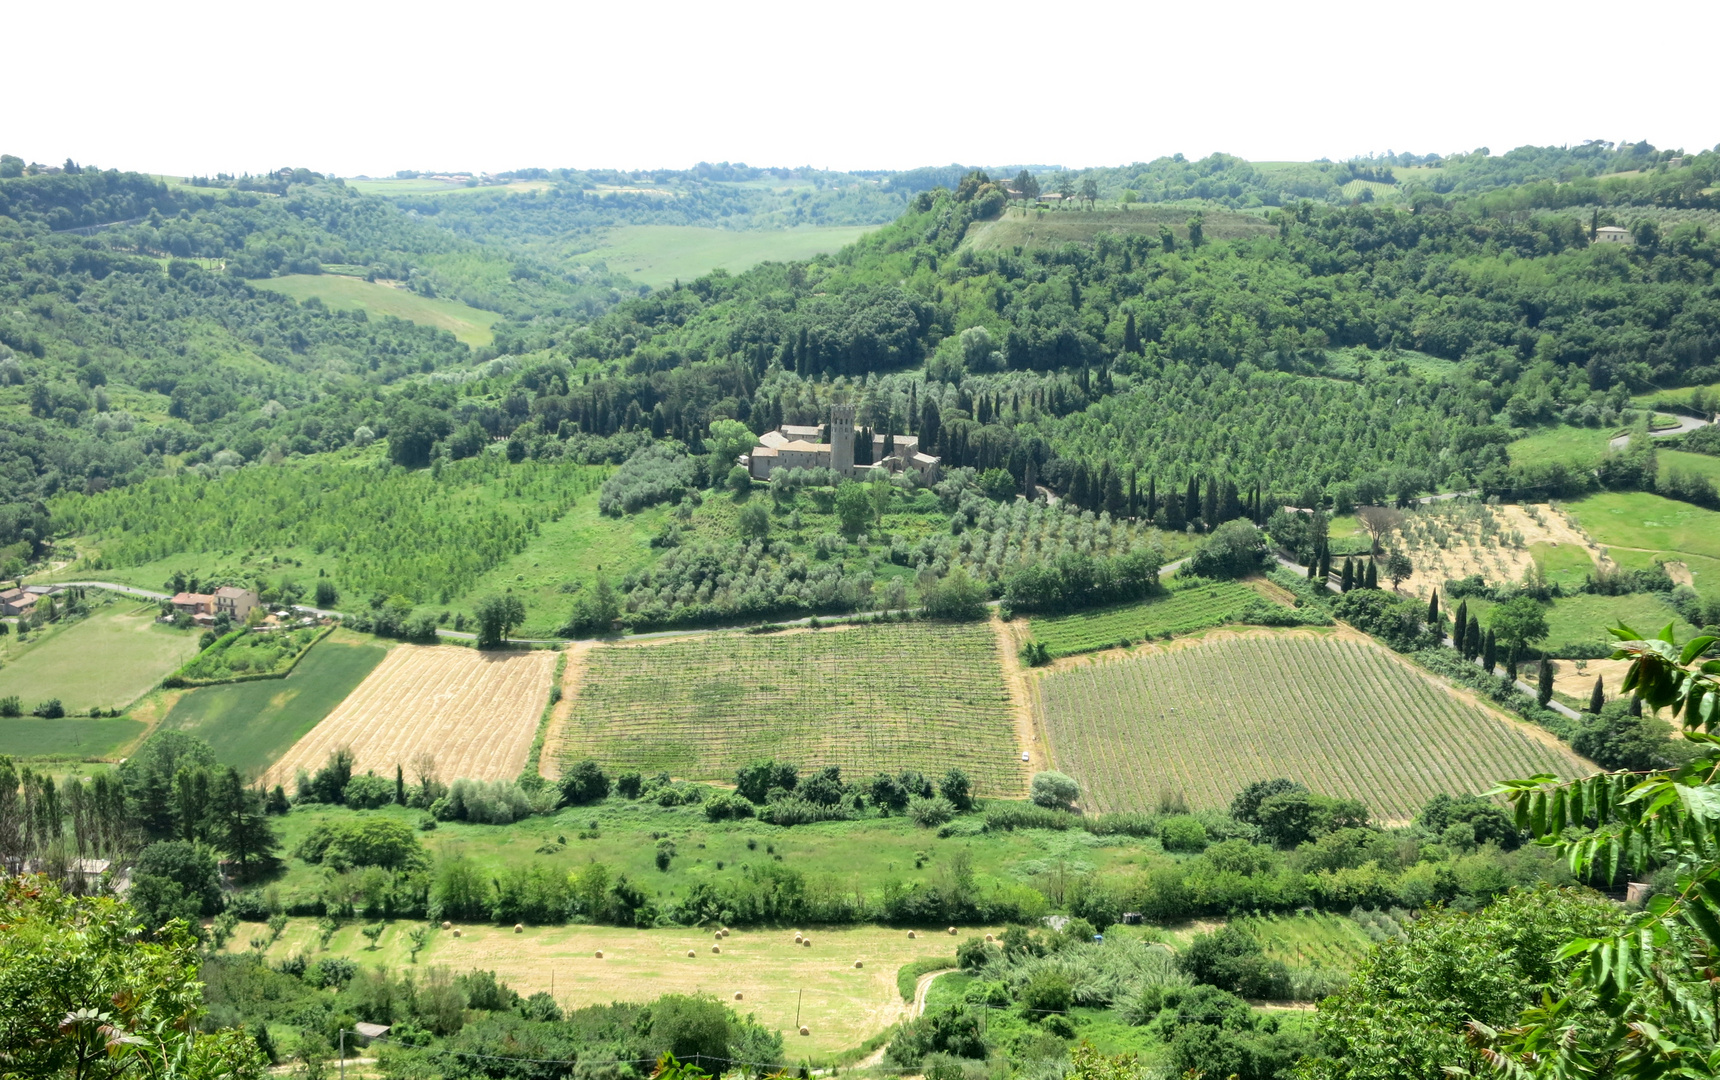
{"x":366,"y":87}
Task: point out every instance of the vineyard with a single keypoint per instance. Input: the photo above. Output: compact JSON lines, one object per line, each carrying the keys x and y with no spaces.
{"x":1192,"y":606}
{"x":1343,"y":717}
{"x":474,"y":712}
{"x":425,"y":534}
{"x":867,"y":698}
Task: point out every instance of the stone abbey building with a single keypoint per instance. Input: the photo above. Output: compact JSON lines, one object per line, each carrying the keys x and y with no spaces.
{"x":793,"y":446}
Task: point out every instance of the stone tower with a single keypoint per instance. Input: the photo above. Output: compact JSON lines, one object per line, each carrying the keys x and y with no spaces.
{"x":842,"y":439}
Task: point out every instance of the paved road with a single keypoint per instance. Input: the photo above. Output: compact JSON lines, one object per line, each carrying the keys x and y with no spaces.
{"x":1685,"y":424}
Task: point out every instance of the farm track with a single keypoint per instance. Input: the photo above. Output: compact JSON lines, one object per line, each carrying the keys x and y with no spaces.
{"x":1333,"y":713}
{"x":476,"y":713}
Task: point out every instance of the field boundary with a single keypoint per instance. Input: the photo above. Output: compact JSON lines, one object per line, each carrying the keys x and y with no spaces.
{"x":1029,"y":734}
{"x":572,"y":679}
{"x":534,"y":756}
{"x":225,"y":642}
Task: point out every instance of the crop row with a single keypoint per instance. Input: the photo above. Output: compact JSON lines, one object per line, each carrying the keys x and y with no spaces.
{"x":1189,"y":608}
{"x":865,"y":698}
{"x":1339,"y":716}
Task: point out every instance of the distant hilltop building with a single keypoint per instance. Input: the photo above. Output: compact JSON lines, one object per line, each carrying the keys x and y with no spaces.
{"x":1612,"y":234}
{"x":793,"y":446}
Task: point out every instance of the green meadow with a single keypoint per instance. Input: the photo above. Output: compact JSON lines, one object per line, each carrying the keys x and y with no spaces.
{"x":1575,"y":446}
{"x":471,"y":325}
{"x":251,"y":724}
{"x":1566,"y":565}
{"x":658,"y":255}
{"x":106,"y":660}
{"x":1637,"y":527}
{"x":68,"y":737}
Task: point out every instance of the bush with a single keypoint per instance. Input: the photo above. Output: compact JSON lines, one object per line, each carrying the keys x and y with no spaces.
{"x":971,"y":954}
{"x":930,"y":813}
{"x":956,"y":788}
{"x":727,"y":806}
{"x":1004,"y":816}
{"x":1054,"y":790}
{"x":1046,"y":992}
{"x":368,"y":792}
{"x":1235,"y":549}
{"x":50,"y":709}
{"x":957,"y":597}
{"x":374,"y":841}
{"x":584,"y":784}
{"x":1182,"y":833}
{"x":497,"y":802}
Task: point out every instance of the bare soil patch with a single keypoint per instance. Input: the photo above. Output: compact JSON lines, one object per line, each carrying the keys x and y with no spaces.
{"x":475,"y":712}
{"x":1576,"y":678}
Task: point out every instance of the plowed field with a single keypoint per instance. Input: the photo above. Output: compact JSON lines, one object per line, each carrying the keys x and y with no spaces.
{"x":475,"y":712}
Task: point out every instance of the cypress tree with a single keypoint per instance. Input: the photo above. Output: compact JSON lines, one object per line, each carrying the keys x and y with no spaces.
{"x":1490,"y":652}
{"x":1325,"y":564}
{"x":1433,"y":611}
{"x":399,"y":785}
{"x":1209,"y":508}
{"x":1134,"y":493}
{"x":1131,"y":336}
{"x":1174,"y":519}
{"x":1459,"y":625}
{"x":1635,"y":705}
{"x":1313,"y":567}
{"x":1191,"y":499}
{"x":1511,"y":662}
{"x":1599,"y":697}
{"x":1152,"y":496}
{"x":1229,"y":502}
{"x":1348,"y":581}
{"x":1373,"y":574}
{"x":1472,"y":640}
{"x":1544,"y":683}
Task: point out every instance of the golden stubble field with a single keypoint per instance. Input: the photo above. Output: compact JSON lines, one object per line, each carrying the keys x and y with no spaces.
{"x":842,"y":1005}
{"x":474,"y":712}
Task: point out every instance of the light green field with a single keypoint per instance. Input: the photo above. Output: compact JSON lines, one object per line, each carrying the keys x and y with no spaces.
{"x":1188,"y":608}
{"x":657,"y":255}
{"x":1382,"y":192}
{"x":1309,"y":940}
{"x":390,"y":186}
{"x":843,"y":1005}
{"x":1054,"y":228}
{"x":1585,"y":618}
{"x":1565,"y":565}
{"x":77,"y":737}
{"x":471,"y":325}
{"x":1637,"y":526}
{"x":253,"y":723}
{"x":1576,"y":446}
{"x":1701,"y":464}
{"x":104,"y":661}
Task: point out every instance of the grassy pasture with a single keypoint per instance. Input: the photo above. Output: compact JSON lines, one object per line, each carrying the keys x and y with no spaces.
{"x":1342,"y":716}
{"x":79,"y":737}
{"x":1054,"y":228}
{"x":1585,"y":618}
{"x":1637,"y":526}
{"x":471,"y":325}
{"x":866,"y":698}
{"x":252,"y":724}
{"x":842,"y":1005}
{"x":105,"y":660}
{"x":1186,"y":609}
{"x":1701,"y":464}
{"x":657,"y":255}
{"x":1575,"y":446}
{"x":1565,"y":565}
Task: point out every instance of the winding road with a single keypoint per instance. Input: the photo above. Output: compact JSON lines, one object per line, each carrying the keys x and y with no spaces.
{"x":1685,"y":424}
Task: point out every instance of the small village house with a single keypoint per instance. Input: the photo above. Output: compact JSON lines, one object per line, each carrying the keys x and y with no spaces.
{"x":234,"y":602}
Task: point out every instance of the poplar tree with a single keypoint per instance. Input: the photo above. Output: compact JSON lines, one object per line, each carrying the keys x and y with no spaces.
{"x":1544,"y":683}
{"x":1599,"y":697}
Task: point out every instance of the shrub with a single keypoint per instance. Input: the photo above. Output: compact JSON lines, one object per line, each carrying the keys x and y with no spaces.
{"x":1235,"y":549}
{"x":1182,"y":833}
{"x":10,"y":706}
{"x":1046,"y":992}
{"x":585,"y":783}
{"x":1014,"y":815}
{"x":368,"y":792}
{"x":1054,"y":790}
{"x":50,"y":709}
{"x":726,"y":806}
{"x":957,"y":790}
{"x":971,"y":954}
{"x":497,"y":802}
{"x":930,"y":813}
{"x":627,"y":785}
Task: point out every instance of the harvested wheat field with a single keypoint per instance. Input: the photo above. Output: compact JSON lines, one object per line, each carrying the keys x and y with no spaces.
{"x":475,"y":712}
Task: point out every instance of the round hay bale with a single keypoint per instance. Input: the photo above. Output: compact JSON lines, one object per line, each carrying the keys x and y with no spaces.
{"x":600,"y":954}
{"x":910,"y":935}
{"x":725,"y":931}
{"x":807,"y":943}
{"x":859,"y":963}
{"x":952,"y":931}
{"x":797,"y":939}
{"x":804,"y":1030}
{"x":719,"y":933}
{"x":446,"y":925}
{"x":737,"y":995}
{"x":690,"y":952}
{"x":716,"y":948}
{"x":988,"y":938}
{"x":519,"y":928}
{"x":456,"y":933}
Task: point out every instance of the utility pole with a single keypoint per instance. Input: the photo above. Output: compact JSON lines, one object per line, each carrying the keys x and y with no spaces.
{"x":798,"y":994}
{"x":342,"y":1054}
